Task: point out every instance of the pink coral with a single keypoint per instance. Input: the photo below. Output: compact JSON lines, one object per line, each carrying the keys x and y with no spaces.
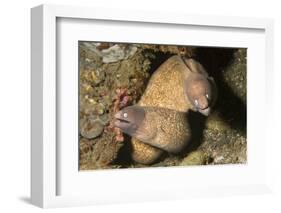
{"x":122,"y":100}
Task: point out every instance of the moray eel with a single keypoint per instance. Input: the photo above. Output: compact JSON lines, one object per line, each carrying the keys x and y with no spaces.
{"x":200,"y":89}
{"x":173,"y":86}
{"x":162,"y":128}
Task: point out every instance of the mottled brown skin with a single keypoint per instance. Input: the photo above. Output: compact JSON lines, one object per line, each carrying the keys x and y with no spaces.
{"x":166,"y":86}
{"x":162,"y":128}
{"x":144,"y":153}
{"x":166,"y":82}
{"x":167,"y":89}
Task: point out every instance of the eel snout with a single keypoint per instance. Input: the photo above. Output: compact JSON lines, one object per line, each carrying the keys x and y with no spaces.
{"x":129,"y":119}
{"x":199,"y":92}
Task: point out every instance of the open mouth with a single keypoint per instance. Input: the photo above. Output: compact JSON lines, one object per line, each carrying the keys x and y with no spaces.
{"x":125,"y":125}
{"x":205,"y":111}
{"x":122,"y":120}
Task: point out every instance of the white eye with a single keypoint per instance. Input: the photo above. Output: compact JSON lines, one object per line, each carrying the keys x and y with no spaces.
{"x":196,"y":102}
{"x":207,"y":96}
{"x":125,"y":115}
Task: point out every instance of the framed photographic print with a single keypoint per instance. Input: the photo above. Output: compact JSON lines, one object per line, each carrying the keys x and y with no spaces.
{"x":129,"y":106}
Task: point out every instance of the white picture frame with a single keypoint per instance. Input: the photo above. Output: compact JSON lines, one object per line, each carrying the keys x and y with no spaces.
{"x":48,"y":167}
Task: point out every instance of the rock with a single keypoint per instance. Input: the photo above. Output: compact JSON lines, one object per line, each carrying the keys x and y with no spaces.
{"x":92,"y":46}
{"x":219,"y":160}
{"x":117,"y":53}
{"x":104,"y":118}
{"x":97,"y":76}
{"x":216,"y":123}
{"x":194,"y":158}
{"x":100,"y":108}
{"x":110,"y":54}
{"x":235,"y":74}
{"x":91,"y":128}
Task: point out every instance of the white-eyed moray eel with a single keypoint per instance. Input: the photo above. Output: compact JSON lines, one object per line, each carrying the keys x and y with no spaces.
{"x":162,"y":128}
{"x":177,"y":86}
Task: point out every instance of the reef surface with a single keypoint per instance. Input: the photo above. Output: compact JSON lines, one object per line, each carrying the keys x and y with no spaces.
{"x":113,"y":76}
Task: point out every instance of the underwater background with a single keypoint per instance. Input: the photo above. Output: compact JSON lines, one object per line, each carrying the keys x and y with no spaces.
{"x":113,"y":76}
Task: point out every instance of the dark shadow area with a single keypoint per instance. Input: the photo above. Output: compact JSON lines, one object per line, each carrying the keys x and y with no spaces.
{"x":197,"y":125}
{"x":159,"y":59}
{"x":231,"y":108}
{"x":124,"y":156}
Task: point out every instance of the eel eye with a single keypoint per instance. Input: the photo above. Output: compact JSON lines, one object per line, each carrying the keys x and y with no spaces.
{"x":125,"y":114}
{"x":196,"y":103}
{"x":207,"y":96}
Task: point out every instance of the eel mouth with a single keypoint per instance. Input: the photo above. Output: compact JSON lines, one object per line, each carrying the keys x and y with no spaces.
{"x":125,"y":124}
{"x":120,"y":121}
{"x":205,"y":111}
{"x":129,"y":119}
